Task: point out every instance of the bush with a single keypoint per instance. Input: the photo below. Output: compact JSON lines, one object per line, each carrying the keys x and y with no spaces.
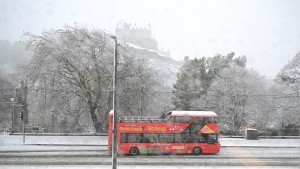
{"x":274,"y":132}
{"x":268,"y":132}
{"x":233,"y":132}
{"x":291,"y":130}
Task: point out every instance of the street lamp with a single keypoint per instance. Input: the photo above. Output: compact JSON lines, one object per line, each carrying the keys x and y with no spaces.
{"x":115,"y":128}
{"x":52,"y":118}
{"x":12,"y":116}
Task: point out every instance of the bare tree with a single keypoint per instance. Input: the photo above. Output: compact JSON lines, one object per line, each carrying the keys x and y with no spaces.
{"x":6,"y":93}
{"x":71,"y":74}
{"x":235,"y":95}
{"x":136,"y":83}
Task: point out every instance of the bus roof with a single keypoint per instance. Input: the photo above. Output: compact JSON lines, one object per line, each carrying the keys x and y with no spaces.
{"x":188,"y":113}
{"x":193,"y":113}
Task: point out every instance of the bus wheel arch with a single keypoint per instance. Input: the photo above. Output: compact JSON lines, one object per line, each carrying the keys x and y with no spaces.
{"x":134,"y":151}
{"x":197,"y":150}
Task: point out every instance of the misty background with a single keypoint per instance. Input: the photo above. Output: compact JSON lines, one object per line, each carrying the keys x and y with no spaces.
{"x":266,"y":31}
{"x":238,"y":58}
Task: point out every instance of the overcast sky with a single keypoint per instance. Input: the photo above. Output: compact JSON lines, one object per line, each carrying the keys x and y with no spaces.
{"x":266,"y":31}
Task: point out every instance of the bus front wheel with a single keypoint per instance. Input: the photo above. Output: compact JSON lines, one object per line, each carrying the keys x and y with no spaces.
{"x":134,"y":151}
{"x":197,"y":151}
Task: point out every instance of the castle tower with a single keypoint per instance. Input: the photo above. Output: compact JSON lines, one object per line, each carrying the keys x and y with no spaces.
{"x":139,"y":36}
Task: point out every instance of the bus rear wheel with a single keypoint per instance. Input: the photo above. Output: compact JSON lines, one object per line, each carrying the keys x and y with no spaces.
{"x":197,"y":151}
{"x":134,"y":151}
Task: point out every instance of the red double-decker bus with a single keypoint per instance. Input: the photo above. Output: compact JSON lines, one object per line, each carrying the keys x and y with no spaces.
{"x":179,"y":132}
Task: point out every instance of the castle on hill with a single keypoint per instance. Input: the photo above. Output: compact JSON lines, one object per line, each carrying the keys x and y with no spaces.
{"x":139,"y":36}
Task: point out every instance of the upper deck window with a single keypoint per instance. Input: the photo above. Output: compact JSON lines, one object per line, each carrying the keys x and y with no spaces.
{"x":211,"y":120}
{"x":183,"y":119}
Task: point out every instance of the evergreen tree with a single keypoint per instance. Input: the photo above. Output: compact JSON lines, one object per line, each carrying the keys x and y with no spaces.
{"x":182,"y":88}
{"x":196,"y":76}
{"x":287,"y":88}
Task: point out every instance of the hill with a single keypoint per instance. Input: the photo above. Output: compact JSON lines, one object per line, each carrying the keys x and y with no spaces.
{"x":165,"y":67}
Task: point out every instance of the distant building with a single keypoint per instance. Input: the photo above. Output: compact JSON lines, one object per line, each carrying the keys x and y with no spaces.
{"x":139,"y":36}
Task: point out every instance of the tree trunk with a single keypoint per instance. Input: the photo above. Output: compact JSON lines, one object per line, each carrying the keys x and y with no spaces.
{"x":92,"y":109}
{"x":96,"y":123}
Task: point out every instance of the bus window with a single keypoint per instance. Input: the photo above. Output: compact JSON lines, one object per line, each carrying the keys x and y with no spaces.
{"x":178,"y":138}
{"x":211,"y":120}
{"x":210,"y":138}
{"x":197,"y":124}
{"x":133,"y":138}
{"x":196,"y":138}
{"x":195,"y":128}
{"x":124,"y":138}
{"x":153,"y":138}
{"x":166,"y":138}
{"x":172,"y":120}
{"x":184,"y":119}
{"x":199,"y":120}
{"x":186,"y":138}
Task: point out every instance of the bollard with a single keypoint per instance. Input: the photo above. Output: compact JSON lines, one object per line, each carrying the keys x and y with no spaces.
{"x":251,"y":134}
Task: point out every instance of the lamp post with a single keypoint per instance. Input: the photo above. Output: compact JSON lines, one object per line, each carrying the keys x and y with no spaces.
{"x":115,"y":140}
{"x":23,"y":121}
{"x":13,"y":115}
{"x":52,"y":118}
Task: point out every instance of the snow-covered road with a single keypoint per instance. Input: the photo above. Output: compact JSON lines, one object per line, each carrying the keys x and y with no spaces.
{"x":102,"y":140}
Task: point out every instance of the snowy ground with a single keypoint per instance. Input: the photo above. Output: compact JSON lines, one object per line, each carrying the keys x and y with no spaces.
{"x":15,"y":142}
{"x":102,"y":140}
{"x":145,"y":167}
